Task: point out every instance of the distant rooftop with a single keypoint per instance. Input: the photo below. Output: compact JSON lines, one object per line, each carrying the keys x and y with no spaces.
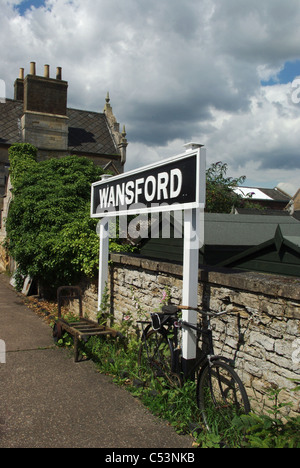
{"x":255,"y":193}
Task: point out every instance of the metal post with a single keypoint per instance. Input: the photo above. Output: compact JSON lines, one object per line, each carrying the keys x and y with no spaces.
{"x":190,"y":288}
{"x":193,"y":240}
{"x":103,"y":259}
{"x":103,"y":253}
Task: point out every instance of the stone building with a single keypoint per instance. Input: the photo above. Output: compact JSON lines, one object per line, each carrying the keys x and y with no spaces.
{"x":39,"y":115}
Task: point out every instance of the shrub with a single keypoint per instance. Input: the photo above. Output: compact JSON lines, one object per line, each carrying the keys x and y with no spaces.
{"x":50,"y":233}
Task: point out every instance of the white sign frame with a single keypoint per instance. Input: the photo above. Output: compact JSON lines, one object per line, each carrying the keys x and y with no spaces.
{"x":193,"y":224}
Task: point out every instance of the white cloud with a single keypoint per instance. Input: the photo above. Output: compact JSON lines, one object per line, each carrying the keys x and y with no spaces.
{"x":176,"y":71}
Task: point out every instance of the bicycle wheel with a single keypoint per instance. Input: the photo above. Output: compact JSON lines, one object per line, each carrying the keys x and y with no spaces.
{"x":155,"y":359}
{"x":220,"y":396}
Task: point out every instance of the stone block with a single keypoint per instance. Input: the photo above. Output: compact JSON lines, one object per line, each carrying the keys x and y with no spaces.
{"x":260,"y":339}
{"x":45,"y":131}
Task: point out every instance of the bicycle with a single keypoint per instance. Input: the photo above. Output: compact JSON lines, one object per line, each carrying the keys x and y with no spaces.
{"x":220,"y":392}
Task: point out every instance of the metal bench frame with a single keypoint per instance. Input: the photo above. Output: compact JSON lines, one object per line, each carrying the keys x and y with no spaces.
{"x":83,"y":328}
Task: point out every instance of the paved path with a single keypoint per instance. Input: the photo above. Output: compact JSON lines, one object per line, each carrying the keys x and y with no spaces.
{"x":48,"y":401}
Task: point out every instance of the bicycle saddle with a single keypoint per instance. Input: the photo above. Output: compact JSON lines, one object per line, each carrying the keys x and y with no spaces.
{"x":170,"y":310}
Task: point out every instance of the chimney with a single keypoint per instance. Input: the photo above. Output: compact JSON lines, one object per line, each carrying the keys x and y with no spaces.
{"x":44,"y":94}
{"x":19,"y":86}
{"x":45,"y":122}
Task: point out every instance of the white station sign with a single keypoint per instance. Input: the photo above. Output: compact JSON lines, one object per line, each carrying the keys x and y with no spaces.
{"x":174,"y":184}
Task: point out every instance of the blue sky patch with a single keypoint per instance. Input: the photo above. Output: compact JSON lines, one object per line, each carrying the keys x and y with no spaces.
{"x":287,"y":75}
{"x":26,"y":4}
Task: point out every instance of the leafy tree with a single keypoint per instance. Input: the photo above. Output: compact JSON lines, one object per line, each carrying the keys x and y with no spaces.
{"x":220,"y":197}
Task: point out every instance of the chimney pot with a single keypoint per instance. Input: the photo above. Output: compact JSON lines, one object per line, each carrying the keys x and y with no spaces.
{"x":19,"y":86}
{"x":32,"y":68}
{"x":58,"y":73}
{"x":46,"y":71}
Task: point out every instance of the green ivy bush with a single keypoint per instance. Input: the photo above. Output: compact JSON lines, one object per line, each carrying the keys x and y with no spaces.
{"x":49,"y":230}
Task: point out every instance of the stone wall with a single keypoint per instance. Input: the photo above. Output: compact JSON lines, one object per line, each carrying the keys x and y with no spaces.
{"x":260,"y":332}
{"x":46,"y":131}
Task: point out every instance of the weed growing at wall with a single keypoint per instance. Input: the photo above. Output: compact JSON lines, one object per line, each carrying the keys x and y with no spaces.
{"x":270,"y":430}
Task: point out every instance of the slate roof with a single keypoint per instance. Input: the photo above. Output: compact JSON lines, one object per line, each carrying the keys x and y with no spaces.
{"x":88,"y":131}
{"x":10,"y":122}
{"x":275,"y":194}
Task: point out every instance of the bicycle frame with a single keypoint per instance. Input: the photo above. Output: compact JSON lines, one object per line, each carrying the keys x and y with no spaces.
{"x":172,"y":325}
{"x":218,"y":385}
{"x":208,"y":354}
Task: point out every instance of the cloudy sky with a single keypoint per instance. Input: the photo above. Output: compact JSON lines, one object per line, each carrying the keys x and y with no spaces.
{"x":224,"y":73}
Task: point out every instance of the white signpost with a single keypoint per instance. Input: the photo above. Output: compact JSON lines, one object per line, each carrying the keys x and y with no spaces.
{"x":178,"y":183}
